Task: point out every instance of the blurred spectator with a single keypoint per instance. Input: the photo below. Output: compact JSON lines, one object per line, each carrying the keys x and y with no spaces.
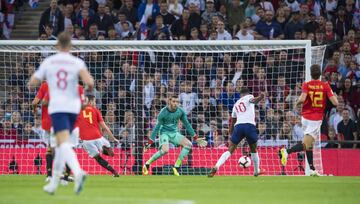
{"x":148,"y":10}
{"x":243,"y":33}
{"x":130,"y":12}
{"x":188,"y":99}
{"x":29,"y":132}
{"x":52,"y":16}
{"x":268,"y":28}
{"x":293,"y":26}
{"x":6,"y":130}
{"x":209,"y":11}
{"x":175,"y":8}
{"x":285,"y":132}
{"x":182,"y":26}
{"x":168,"y":18}
{"x":16,"y":122}
{"x":101,"y":19}
{"x":229,"y":97}
{"x":159,"y":28}
{"x":213,"y":134}
{"x":235,"y":12}
{"x":49,"y":30}
{"x":347,"y":130}
{"x":127,"y":132}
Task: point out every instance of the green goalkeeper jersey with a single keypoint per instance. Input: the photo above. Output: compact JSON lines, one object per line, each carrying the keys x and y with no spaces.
{"x":167,"y":122}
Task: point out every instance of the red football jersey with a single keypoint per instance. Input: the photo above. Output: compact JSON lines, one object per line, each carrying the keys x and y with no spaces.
{"x":43,"y":94}
{"x":315,"y":102}
{"x":88,"y":123}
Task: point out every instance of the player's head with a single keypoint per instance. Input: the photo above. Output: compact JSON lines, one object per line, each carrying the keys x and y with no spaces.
{"x":64,"y":42}
{"x":173,"y":102}
{"x":244,"y":91}
{"x":315,"y":71}
{"x":90,"y":99}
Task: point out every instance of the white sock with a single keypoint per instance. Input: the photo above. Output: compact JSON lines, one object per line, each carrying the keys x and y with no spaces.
{"x":70,"y":158}
{"x":58,"y":167}
{"x":222,"y":159}
{"x":256,"y":160}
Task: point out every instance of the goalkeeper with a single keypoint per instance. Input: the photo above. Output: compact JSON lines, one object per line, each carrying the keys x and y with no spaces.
{"x":167,"y":124}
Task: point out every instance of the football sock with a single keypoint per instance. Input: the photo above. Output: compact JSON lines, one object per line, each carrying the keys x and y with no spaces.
{"x":256,"y":160}
{"x":156,"y":156}
{"x":59,"y":163}
{"x":296,"y":148}
{"x":70,"y":158}
{"x":222,"y":159}
{"x":105,"y":164}
{"x":67,"y":172}
{"x":309,"y":156}
{"x":49,"y":161}
{"x":185,"y":151}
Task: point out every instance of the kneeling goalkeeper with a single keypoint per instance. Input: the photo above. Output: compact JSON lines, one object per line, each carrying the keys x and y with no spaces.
{"x":167,"y":124}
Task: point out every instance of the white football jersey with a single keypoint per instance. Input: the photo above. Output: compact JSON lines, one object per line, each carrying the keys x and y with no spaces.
{"x":61,"y":71}
{"x":244,"y":111}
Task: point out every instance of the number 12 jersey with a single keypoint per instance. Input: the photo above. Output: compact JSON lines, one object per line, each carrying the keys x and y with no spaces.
{"x":315,"y":102}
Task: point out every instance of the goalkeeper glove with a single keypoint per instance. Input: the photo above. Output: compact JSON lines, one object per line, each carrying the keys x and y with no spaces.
{"x":148,"y":145}
{"x":200,"y":141}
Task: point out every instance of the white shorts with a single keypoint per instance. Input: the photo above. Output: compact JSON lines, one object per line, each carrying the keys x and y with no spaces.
{"x":311,"y":127}
{"x":95,"y":147}
{"x":50,"y":139}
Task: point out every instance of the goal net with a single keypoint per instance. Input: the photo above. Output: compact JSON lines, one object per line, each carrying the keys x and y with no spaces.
{"x":133,"y":80}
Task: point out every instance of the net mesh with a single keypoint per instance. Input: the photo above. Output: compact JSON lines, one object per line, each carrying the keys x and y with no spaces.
{"x":132,"y":85}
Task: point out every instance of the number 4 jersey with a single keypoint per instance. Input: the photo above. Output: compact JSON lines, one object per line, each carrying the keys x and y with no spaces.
{"x":88,"y":123}
{"x":61,"y":72}
{"x":315,"y":102}
{"x":244,"y":110}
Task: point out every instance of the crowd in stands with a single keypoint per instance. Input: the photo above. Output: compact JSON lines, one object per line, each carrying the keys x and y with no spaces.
{"x":207,"y":84}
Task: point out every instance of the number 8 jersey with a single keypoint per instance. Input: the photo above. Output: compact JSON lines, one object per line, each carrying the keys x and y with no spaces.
{"x":61,"y":72}
{"x":244,"y":110}
{"x":315,"y":102}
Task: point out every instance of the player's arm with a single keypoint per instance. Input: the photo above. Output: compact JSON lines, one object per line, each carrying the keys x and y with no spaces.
{"x":200,"y":141}
{"x":256,"y":100}
{"x":107,"y":131}
{"x":156,"y":129}
{"x":87,"y":78}
{"x":34,"y":104}
{"x":187,"y":124}
{"x":37,"y":77}
{"x":301,"y":99}
{"x":232,"y":123}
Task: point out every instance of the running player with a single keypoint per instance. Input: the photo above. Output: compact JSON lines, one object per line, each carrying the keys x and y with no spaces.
{"x":90,"y":123}
{"x":242,"y":126}
{"x":62,"y":71}
{"x":313,"y":100}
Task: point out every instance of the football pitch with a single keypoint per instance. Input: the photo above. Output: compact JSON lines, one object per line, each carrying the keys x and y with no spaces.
{"x":186,"y":190}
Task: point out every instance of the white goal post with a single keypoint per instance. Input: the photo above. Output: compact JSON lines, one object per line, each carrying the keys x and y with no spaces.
{"x":133,"y":79}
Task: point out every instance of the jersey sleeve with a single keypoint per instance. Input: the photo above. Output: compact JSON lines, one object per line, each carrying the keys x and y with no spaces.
{"x":41,"y":93}
{"x":186,"y":123}
{"x":159,"y":123}
{"x":251,"y":97}
{"x":304,"y":88}
{"x":233,"y":113}
{"x":99,"y":115}
{"x":40,"y":73}
{"x":328,"y":90}
{"x":81,"y":64}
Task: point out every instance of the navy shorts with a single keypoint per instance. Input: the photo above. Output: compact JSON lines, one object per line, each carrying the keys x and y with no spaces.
{"x":246,"y":130}
{"x":63,"y":121}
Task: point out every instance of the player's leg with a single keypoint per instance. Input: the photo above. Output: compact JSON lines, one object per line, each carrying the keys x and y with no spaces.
{"x":186,"y":147}
{"x":164,"y":149}
{"x":104,"y":146}
{"x":64,"y":153}
{"x":49,"y":161}
{"x":236,"y":137}
{"x":252,"y":138}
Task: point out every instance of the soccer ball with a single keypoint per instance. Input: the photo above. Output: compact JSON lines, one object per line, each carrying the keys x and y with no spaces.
{"x":244,"y":161}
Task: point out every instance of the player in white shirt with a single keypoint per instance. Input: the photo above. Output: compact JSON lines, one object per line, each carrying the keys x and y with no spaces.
{"x":61,"y":71}
{"x":242,"y":126}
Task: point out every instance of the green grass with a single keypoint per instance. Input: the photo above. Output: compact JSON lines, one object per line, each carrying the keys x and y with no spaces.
{"x":186,"y":190}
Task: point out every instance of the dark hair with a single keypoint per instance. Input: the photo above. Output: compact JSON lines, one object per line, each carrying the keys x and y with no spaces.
{"x":173,"y":96}
{"x":244,"y":90}
{"x":315,"y":70}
